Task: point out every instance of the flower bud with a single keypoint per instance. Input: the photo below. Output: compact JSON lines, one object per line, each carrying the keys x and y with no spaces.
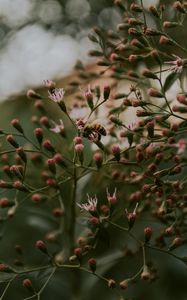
{"x":4,"y":202}
{"x":154,"y":93}
{"x":145,"y":275}
{"x":45,"y":122}
{"x":150,"y":128}
{"x":131,"y":217}
{"x":94,"y":221}
{"x":92,"y":264}
{"x":175,"y":243}
{"x":11,"y":140}
{"x":79,"y":150}
{"x":165,"y":41}
{"x":20,"y":151}
{"x":89,"y":99}
{"x":5,"y":268}
{"x":52,"y":182}
{"x":147,"y":73}
{"x":116,"y":120}
{"x":27,"y":283}
{"x":39,"y":135}
{"x":16,"y":124}
{"x":168,"y":24}
{"x":48,"y":146}
{"x":133,"y":58}
{"x":36,"y":198}
{"x":5,"y":185}
{"x":78,"y":252}
{"x":51,"y":165}
{"x":152,"y":32}
{"x":98,"y":158}
{"x":106,"y":92}
{"x":116,"y":152}
{"x":147,"y":234}
{"x":59,"y":160}
{"x":124,"y":284}
{"x":154,"y":54}
{"x":154,"y":11}
{"x":58,"y":212}
{"x":18,"y":185}
{"x":134,"y":32}
{"x":137,"y":43}
{"x":41,"y":246}
{"x":31,"y":94}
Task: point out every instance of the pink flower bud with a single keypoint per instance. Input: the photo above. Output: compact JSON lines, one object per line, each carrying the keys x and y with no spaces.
{"x":79,"y":148}
{"x":77,"y":140}
{"x":148,"y":233}
{"x":165,"y":41}
{"x":27,"y":283}
{"x":39,"y":134}
{"x":154,"y":93}
{"x":41,"y":246}
{"x":116,"y":152}
{"x":48,"y":146}
{"x":16,"y":124}
{"x":106,"y":92}
{"x":33,"y":95}
{"x":145,"y":275}
{"x":11,"y":140}
{"x":98,"y":158}
{"x":92,"y":264}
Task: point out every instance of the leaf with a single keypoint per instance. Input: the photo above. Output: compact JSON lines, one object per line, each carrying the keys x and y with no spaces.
{"x":171,"y":78}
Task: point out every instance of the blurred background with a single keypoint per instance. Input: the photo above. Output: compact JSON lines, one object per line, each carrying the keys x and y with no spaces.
{"x":43,"y":39}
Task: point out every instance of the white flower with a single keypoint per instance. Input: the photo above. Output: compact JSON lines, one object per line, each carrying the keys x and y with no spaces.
{"x":57,"y":94}
{"x":78,"y":113}
{"x":58,"y":128}
{"x":91,"y":204}
{"x":178,"y":64}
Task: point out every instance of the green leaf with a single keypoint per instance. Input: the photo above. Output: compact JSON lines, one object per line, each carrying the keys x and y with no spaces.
{"x":171,"y":78}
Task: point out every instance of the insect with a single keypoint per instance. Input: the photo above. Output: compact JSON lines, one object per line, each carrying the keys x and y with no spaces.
{"x":94,"y":131}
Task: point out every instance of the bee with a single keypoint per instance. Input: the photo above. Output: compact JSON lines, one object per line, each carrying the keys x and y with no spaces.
{"x":94,"y":131}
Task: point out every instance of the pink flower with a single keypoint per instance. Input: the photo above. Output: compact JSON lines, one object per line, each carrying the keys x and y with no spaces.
{"x":58,"y":128}
{"x":178,"y":64}
{"x":112,"y":199}
{"x":56,"y":95}
{"x":49,"y":83}
{"x":91,"y":204}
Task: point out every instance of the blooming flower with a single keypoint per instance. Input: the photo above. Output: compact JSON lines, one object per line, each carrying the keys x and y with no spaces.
{"x":58,"y":128}
{"x":56,"y":94}
{"x":178,"y":64}
{"x":112,"y":199}
{"x":49,"y":83}
{"x":91,"y":204}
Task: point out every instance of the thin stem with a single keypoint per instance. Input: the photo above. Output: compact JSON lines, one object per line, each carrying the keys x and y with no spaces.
{"x":7,"y":287}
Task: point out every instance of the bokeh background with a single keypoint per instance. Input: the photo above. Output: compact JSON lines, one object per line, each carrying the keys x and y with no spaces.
{"x":44,"y":39}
